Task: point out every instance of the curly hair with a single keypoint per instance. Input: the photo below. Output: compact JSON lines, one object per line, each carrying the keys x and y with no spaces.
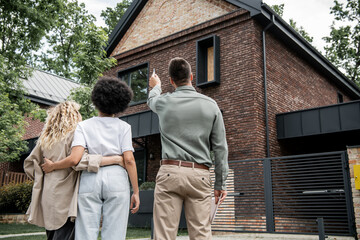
{"x":61,"y":120}
{"x":111,"y":95}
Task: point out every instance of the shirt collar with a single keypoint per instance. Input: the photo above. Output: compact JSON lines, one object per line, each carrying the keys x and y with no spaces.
{"x":182,"y":88}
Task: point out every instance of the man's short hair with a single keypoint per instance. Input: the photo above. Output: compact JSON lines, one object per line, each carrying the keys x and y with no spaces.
{"x":111,"y":95}
{"x":179,"y":71}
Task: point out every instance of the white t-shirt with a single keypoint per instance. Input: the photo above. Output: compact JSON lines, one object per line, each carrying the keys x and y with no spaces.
{"x":104,"y":136}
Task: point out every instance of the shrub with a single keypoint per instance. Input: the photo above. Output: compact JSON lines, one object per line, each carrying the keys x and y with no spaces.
{"x":15,"y":198}
{"x":147,"y":186}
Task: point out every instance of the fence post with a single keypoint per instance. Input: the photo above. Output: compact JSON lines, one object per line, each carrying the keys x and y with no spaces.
{"x":269,"y":207}
{"x":321,"y":228}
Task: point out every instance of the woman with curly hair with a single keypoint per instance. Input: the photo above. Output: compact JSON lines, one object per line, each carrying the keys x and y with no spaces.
{"x":107,"y":192}
{"x":54,"y":196}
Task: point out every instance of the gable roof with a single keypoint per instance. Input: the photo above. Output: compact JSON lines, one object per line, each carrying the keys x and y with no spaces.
{"x":46,"y":88}
{"x":265,"y":15}
{"x":253,"y":6}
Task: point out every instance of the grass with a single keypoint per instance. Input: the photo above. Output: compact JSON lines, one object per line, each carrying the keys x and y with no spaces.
{"x":5,"y":229}
{"x":13,"y":228}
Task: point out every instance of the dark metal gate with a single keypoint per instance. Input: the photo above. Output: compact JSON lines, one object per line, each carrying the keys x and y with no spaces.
{"x":288,"y":194}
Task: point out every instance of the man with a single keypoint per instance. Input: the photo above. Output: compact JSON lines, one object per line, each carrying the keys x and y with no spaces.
{"x":190,"y":125}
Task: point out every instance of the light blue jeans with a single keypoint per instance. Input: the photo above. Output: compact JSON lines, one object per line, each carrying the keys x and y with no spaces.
{"x":108,"y":193}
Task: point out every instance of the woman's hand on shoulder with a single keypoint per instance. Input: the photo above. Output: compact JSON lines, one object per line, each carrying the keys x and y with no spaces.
{"x":47,"y":166}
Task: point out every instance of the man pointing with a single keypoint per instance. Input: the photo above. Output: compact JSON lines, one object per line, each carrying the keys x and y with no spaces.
{"x":190,"y":125}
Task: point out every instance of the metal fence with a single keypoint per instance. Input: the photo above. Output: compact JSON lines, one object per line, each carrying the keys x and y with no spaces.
{"x":287,"y":195}
{"x":12,"y":177}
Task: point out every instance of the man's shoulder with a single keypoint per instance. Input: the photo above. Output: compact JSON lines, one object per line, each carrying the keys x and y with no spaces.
{"x":205,"y":98}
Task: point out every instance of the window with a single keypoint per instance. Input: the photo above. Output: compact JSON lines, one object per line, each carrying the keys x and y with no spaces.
{"x":137,"y":79}
{"x":208,"y":61}
{"x":340,"y":98}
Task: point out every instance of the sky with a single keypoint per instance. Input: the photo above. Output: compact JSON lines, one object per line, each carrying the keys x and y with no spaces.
{"x":313,"y":15}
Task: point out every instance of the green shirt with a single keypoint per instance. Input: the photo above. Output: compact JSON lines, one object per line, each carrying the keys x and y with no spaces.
{"x":190,"y":125}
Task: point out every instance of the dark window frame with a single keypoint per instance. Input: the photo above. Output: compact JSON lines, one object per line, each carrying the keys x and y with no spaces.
{"x":201,"y":60}
{"x":144,"y":175}
{"x":340,"y":97}
{"x":132,"y":69}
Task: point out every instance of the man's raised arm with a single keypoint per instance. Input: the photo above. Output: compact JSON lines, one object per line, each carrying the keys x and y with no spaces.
{"x":155,"y":84}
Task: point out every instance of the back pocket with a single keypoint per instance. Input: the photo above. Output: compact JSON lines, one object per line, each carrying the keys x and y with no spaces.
{"x":87,"y":182}
{"x":118,"y":182}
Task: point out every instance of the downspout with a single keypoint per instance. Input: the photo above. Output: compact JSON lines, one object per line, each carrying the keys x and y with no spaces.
{"x":269,"y":206}
{"x":265,"y":86}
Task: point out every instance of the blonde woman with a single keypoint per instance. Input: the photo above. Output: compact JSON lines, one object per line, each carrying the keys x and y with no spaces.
{"x":54,"y":196}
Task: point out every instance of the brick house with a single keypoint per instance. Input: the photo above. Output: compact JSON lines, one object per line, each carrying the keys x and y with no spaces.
{"x":285,"y":107}
{"x":46,"y":90}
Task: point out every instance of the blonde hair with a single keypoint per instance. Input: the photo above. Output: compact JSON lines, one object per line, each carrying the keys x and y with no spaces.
{"x":61,"y":120}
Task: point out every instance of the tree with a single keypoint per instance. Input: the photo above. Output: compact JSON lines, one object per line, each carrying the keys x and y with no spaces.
{"x":92,"y":62}
{"x":279,"y":9}
{"x":76,"y":50}
{"x":22,"y":25}
{"x":112,"y":16}
{"x":343,"y":44}
{"x":68,"y":31}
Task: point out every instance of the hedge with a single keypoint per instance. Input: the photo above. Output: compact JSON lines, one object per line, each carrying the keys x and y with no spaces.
{"x":15,"y":198}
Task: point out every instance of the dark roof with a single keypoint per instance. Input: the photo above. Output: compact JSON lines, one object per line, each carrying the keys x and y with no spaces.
{"x":143,"y":123}
{"x":265,"y":15}
{"x":46,"y":88}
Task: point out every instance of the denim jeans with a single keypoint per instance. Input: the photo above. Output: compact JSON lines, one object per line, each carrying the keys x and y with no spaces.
{"x":108,"y":193}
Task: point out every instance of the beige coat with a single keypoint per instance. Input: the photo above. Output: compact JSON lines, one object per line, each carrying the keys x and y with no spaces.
{"x":54,"y":195}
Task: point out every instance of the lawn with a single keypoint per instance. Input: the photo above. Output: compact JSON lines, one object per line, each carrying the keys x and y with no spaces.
{"x":27,"y":228}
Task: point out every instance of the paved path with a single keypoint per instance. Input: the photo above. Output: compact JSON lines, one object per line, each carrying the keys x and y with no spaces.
{"x":242,"y":236}
{"x":22,"y":234}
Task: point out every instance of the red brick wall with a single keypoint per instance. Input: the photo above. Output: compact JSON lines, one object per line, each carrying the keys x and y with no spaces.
{"x":292,"y":83}
{"x":34,"y":127}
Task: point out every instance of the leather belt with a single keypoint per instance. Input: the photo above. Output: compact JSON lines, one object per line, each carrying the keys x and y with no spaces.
{"x":183,"y":164}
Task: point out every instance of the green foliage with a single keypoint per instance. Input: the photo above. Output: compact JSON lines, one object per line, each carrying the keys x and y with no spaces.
{"x":69,"y":30}
{"x":82,"y":95}
{"x":343,"y":44}
{"x":279,"y":9}
{"x":147,"y":186}
{"x":113,"y":16}
{"x":22,"y":25}
{"x":90,"y":58}
{"x":15,"y":198}
{"x":76,"y":50}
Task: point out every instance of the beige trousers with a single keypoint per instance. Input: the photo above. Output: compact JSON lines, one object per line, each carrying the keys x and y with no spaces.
{"x":176,"y":186}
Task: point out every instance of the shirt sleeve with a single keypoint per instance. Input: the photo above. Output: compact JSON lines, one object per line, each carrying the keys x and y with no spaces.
{"x":35,"y":157}
{"x":220,"y":148}
{"x":79,"y":138}
{"x":126,"y":144}
{"x":89,"y":162}
{"x":153,"y":97}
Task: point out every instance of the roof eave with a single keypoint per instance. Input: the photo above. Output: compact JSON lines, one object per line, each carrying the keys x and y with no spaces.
{"x":41,"y":100}
{"x":293,"y":38}
{"x":125,"y":22}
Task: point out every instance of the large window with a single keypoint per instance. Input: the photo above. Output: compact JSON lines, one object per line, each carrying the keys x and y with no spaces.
{"x":137,"y":79}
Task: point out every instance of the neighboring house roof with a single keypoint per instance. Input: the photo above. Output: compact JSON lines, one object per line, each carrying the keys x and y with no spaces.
{"x":265,"y":15}
{"x":46,"y":88}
